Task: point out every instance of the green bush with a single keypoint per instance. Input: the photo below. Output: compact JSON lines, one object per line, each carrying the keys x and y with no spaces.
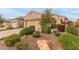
{"x":57,"y":33}
{"x":32,"y":27}
{"x":27,"y":31}
{"x":36,"y":34}
{"x":21,"y":45}
{"x":11,"y":40}
{"x":46,"y":29}
{"x":69,"y":41}
{"x":72,"y":30}
{"x":70,"y":23}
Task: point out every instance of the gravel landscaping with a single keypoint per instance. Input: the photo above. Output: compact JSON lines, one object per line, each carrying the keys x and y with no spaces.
{"x":51,"y":39}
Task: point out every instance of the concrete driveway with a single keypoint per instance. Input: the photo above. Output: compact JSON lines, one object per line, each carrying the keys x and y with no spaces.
{"x":9,"y":32}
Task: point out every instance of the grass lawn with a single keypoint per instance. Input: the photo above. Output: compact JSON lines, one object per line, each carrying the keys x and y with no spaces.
{"x":69,"y":41}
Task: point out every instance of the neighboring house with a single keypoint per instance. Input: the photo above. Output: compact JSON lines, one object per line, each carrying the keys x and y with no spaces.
{"x":14,"y":23}
{"x":33,"y":19}
{"x":7,"y":24}
{"x":17,"y":22}
{"x":76,"y":23}
{"x":60,"y":19}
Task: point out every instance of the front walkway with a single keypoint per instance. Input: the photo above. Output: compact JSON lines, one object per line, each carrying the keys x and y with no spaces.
{"x":42,"y":44}
{"x":53,"y":42}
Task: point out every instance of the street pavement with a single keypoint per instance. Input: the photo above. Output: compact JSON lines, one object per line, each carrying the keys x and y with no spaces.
{"x":9,"y":32}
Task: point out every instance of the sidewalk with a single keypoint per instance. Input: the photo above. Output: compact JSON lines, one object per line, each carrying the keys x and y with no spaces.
{"x":42,"y":44}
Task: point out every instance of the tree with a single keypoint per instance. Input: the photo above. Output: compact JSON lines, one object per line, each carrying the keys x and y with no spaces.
{"x":70,"y":23}
{"x":46,"y":19}
{"x":1,"y":19}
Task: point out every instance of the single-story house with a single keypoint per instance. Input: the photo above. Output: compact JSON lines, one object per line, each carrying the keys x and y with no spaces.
{"x":7,"y":24}
{"x":14,"y":23}
{"x":76,"y":23}
{"x":17,"y":22}
{"x":60,"y":19}
{"x":33,"y":19}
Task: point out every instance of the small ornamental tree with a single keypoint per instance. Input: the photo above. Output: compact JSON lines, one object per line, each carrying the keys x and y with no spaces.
{"x":1,"y":19}
{"x":72,"y":29}
{"x":46,"y":19}
{"x":70,"y":23}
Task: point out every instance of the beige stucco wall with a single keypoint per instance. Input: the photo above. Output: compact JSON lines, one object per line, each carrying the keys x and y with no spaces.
{"x":34,"y":23}
{"x":32,"y":16}
{"x":7,"y":25}
{"x":25,"y":23}
{"x":14,"y":24}
{"x":58,"y":19}
{"x":20,"y":23}
{"x":32,"y":19}
{"x":17,"y":23}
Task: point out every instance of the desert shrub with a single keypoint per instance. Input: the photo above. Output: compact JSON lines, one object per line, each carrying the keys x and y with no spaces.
{"x":61,"y":27}
{"x":32,"y":27}
{"x":69,"y":41}
{"x":57,"y":33}
{"x":11,"y":40}
{"x":72,"y":30}
{"x":27,"y":31}
{"x":46,"y":29}
{"x":21,"y":45}
{"x":70,"y":23}
{"x":36,"y":34}
{"x":23,"y":31}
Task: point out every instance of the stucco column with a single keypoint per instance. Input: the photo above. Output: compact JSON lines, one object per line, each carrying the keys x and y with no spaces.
{"x":25,"y":23}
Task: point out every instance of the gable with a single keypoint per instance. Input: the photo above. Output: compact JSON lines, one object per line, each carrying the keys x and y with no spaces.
{"x":33,"y":16}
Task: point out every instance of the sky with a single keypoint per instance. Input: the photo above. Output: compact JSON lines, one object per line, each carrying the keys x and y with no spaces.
{"x":10,"y":13}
